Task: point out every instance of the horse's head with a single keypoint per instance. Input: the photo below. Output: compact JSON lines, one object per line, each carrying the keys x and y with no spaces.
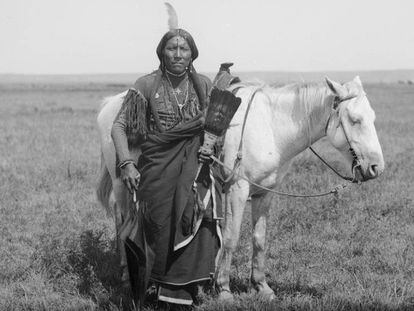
{"x":351,"y":129}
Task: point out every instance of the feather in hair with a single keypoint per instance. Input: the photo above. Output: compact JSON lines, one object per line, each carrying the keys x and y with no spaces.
{"x":172,"y":17}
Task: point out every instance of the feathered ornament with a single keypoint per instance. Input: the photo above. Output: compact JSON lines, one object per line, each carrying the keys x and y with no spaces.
{"x":223,"y":105}
{"x":172,"y":17}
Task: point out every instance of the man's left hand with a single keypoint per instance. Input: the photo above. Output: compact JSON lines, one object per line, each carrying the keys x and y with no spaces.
{"x":204,"y":156}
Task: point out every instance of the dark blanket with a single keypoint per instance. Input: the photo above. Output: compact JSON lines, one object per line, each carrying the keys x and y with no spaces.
{"x":169,"y":206}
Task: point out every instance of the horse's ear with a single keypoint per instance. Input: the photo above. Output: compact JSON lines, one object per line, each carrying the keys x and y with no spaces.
{"x":357,"y":80}
{"x":336,"y":88}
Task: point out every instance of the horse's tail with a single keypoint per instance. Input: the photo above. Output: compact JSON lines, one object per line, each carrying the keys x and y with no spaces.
{"x":104,"y":187}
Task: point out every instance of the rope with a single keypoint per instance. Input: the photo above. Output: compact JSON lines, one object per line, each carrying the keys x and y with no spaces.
{"x":335,"y":190}
{"x":334,"y":170}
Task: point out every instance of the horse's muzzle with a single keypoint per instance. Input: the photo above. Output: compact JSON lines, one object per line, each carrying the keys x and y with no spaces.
{"x":362,"y":175}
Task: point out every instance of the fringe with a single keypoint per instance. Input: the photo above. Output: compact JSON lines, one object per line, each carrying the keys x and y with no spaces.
{"x":135,"y":107}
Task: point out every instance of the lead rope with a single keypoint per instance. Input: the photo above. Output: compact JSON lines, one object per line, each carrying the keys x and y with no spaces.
{"x":233,"y":173}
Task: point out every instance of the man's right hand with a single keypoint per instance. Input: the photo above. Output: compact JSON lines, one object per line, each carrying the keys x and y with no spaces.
{"x":130,"y":177}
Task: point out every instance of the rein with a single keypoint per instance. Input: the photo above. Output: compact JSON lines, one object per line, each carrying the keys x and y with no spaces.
{"x":351,"y":150}
{"x":335,"y":190}
{"x":237,"y":161}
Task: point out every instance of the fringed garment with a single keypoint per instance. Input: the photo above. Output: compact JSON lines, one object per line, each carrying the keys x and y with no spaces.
{"x":175,"y":236}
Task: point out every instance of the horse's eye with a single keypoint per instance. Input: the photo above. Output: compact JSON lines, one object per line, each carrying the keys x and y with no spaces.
{"x":355,"y":119}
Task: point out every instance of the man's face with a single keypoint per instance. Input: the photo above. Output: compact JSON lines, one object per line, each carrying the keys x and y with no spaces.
{"x":177,"y":55}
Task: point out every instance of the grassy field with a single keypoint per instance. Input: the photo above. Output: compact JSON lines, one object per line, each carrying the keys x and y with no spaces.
{"x":354,"y":251}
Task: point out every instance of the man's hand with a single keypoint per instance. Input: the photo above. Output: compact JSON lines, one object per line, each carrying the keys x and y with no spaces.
{"x":130,"y":177}
{"x":204,"y":155}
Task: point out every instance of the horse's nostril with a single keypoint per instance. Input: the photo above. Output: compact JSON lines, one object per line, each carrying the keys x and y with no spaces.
{"x":373,"y":170}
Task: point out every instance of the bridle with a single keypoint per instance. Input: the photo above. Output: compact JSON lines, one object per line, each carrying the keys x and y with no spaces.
{"x":355,"y":163}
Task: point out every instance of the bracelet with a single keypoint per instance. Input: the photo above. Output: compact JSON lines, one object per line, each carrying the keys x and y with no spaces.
{"x":125,"y":163}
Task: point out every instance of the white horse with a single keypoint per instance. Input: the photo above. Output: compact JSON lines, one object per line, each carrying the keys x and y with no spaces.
{"x":281,"y":123}
{"x":111,"y":191}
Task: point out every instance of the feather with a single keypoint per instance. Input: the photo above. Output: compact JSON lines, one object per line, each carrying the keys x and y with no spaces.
{"x":172,"y":17}
{"x":223,"y":105}
{"x":221,"y":109}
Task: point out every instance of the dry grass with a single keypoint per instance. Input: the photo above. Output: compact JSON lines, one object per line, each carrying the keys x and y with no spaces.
{"x":351,"y":252}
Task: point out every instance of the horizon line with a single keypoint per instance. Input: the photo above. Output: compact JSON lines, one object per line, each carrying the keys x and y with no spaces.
{"x":205,"y":71}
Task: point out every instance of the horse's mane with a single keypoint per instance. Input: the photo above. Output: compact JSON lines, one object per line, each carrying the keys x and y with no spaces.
{"x":311,"y":97}
{"x":307,"y":92}
{"x":300,"y":88}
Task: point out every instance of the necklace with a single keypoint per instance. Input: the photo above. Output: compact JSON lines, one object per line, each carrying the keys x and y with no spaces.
{"x":175,"y":74}
{"x":178,"y":91}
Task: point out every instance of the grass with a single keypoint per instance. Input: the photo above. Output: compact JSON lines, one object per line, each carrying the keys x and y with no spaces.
{"x":354,"y":251}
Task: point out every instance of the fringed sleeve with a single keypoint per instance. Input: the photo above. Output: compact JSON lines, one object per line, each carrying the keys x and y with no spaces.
{"x":133,"y":115}
{"x":130,"y":126}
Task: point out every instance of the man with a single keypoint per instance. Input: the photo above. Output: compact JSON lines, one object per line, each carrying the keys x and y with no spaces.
{"x":177,"y":240}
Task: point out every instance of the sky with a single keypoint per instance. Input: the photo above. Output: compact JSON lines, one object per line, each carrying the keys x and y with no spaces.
{"x":120,"y":36}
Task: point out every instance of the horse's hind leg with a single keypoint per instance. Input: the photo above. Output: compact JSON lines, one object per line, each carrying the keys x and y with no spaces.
{"x":260,"y":208}
{"x":121,"y":213}
{"x":235,"y":202}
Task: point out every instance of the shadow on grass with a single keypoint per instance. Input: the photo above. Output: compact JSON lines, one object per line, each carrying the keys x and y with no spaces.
{"x":96,"y":263}
{"x":295,"y":289}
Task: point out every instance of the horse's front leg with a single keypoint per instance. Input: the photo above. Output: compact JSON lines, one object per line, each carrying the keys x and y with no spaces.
{"x":235,"y":201}
{"x":260,"y":209}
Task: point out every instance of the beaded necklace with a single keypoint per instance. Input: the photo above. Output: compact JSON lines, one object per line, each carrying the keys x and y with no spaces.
{"x":175,"y":93}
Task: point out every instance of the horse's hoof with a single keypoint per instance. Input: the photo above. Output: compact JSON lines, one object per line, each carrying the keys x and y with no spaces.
{"x":267,"y":296}
{"x":265,"y":292}
{"x":226,"y":296}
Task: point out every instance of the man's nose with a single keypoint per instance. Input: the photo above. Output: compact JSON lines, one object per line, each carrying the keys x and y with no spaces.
{"x":178,"y":52}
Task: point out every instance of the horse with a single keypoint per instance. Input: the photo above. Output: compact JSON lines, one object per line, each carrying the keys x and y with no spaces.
{"x":271,"y":127}
{"x":111,"y":192}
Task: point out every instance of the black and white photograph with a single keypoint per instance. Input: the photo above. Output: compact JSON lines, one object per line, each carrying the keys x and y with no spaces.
{"x":197,"y":155}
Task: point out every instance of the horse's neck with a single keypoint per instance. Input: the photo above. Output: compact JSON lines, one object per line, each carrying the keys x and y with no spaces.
{"x":306,"y":108}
